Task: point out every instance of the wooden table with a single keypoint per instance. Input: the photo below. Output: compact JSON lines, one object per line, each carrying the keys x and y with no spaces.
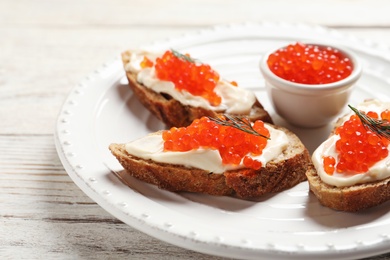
{"x":46,"y":47}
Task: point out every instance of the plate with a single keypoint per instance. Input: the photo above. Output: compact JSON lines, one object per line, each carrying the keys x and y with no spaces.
{"x":101,"y":110}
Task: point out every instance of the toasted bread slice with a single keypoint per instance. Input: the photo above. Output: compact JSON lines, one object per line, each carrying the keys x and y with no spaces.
{"x":285,"y":171}
{"x":174,"y":113}
{"x":351,"y":198}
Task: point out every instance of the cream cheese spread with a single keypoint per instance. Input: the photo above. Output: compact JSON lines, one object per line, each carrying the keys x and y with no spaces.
{"x":235,"y":100}
{"x":151,"y":147}
{"x":379,"y":171}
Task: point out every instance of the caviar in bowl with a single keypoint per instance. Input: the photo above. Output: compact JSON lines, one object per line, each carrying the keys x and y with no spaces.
{"x":310,"y":84}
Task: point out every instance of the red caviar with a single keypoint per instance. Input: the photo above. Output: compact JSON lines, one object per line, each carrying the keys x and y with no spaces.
{"x":197,"y":78}
{"x":329,"y":164}
{"x":358,"y":148}
{"x":310,"y":64}
{"x":146,"y":63}
{"x":385,"y":115}
{"x":234,"y":83}
{"x":234,"y":145}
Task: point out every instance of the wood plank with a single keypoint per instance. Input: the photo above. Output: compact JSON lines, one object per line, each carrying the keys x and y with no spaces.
{"x":43,"y":213}
{"x":104,"y":13}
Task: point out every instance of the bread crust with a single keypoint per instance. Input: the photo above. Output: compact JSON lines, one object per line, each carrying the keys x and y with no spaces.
{"x":284,"y":172}
{"x":171,"y":111}
{"x":352,"y":198}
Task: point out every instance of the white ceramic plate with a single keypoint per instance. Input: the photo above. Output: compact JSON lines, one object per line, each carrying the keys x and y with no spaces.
{"x":291,"y":224}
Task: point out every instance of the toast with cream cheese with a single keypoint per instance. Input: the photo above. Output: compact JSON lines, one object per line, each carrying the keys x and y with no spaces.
{"x":352,"y":189}
{"x":285,"y":167}
{"x":179,"y":108}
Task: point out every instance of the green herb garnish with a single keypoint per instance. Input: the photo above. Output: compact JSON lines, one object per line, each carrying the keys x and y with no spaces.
{"x":238,"y":122}
{"x":182,"y":56}
{"x":380,"y":127}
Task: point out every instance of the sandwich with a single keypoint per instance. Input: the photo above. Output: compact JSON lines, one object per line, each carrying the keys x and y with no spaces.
{"x":353,"y":164}
{"x":178,"y":89}
{"x":223,"y":156}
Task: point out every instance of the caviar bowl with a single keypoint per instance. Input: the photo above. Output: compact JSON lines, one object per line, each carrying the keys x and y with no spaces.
{"x":311,"y":104}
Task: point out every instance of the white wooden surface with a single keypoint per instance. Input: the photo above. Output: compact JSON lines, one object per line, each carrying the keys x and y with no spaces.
{"x":46,"y":47}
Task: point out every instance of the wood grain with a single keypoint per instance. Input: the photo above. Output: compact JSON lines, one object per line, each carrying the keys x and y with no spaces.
{"x":43,"y":213}
{"x":47,"y":47}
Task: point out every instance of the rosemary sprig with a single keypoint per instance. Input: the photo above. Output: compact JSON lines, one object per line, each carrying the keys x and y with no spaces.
{"x":380,"y":127}
{"x":182,"y":56}
{"x":240,"y":123}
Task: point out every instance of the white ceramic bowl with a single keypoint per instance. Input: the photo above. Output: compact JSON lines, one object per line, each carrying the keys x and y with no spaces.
{"x":308,"y":105}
